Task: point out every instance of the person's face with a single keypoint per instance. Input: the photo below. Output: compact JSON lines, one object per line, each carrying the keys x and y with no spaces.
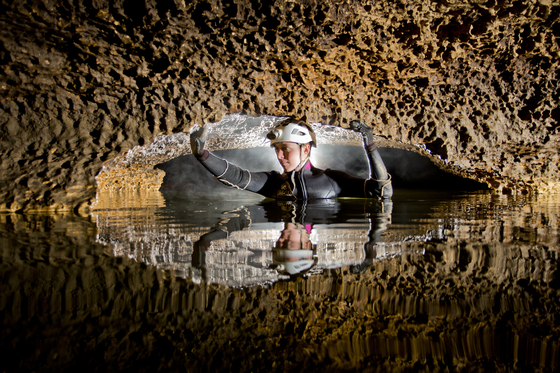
{"x":293,"y":238}
{"x":289,"y":154}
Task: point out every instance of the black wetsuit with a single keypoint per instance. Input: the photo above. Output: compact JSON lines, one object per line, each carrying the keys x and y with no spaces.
{"x":308,"y":183}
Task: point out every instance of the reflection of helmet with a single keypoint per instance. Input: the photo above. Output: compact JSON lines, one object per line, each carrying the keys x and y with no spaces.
{"x":292,"y":131}
{"x":293,"y":268}
{"x":282,"y":255}
{"x":293,"y":262}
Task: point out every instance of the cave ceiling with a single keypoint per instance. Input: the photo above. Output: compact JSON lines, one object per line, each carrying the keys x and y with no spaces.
{"x":471,"y":83}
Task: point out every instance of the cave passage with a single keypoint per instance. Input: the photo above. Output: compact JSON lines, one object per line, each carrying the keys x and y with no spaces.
{"x":408,"y":169}
{"x":167,"y":163}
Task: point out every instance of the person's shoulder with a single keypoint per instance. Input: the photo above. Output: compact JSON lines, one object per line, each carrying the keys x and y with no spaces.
{"x":336,"y":173}
{"x":333,"y":174}
{"x":317,"y":171}
{"x":270,"y":174}
{"x":330,"y":171}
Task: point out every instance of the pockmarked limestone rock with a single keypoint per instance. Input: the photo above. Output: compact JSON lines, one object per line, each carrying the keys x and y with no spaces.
{"x":81,"y":83}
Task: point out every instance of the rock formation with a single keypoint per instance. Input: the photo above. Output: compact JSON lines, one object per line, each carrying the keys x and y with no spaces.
{"x":474,"y":84}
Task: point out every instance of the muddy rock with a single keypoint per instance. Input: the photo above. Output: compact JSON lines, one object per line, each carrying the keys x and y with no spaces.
{"x":82,"y":82}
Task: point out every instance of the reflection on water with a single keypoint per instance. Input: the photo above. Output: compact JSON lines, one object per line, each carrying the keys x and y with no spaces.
{"x":250,"y":241}
{"x":427,"y":281}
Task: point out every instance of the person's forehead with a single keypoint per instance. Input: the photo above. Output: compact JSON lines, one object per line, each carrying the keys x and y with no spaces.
{"x":285,"y":143}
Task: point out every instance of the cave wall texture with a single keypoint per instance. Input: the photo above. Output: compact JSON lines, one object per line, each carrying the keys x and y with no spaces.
{"x":474,"y":83}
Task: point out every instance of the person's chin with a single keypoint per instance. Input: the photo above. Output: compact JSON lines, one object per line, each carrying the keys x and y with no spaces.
{"x":286,"y":167}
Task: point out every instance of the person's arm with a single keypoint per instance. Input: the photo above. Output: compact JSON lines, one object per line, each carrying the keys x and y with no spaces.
{"x":239,"y":219}
{"x":379,"y":183}
{"x":226,"y":172}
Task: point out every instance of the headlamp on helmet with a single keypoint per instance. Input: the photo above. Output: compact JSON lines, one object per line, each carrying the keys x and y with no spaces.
{"x":292,"y":132}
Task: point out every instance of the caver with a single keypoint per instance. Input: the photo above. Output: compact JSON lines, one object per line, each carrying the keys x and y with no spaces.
{"x":293,"y":141}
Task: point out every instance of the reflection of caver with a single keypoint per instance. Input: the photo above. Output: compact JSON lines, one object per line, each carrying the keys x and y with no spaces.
{"x":293,"y":140}
{"x":378,"y":224}
{"x":294,"y":252}
{"x":307,"y":241}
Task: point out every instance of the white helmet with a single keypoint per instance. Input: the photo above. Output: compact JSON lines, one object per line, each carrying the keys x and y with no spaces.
{"x":293,"y":268}
{"x":292,"y":131}
{"x":293,"y":261}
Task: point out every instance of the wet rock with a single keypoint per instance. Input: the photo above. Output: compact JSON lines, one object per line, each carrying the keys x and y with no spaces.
{"x":476,"y":84}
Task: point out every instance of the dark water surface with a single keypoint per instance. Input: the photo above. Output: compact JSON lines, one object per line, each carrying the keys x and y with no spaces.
{"x":430,"y":281}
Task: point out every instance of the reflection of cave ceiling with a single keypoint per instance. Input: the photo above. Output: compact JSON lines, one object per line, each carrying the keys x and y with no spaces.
{"x":473,"y":83}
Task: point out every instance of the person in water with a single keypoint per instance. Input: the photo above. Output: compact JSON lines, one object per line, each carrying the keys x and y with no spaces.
{"x":293,"y":140}
{"x":303,"y":247}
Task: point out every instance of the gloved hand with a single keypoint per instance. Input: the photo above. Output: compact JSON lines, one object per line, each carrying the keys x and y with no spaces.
{"x":198,"y":139}
{"x":364,"y":129}
{"x":199,"y":253}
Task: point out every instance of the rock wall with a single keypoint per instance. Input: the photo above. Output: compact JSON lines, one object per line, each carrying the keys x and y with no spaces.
{"x":475,"y":84}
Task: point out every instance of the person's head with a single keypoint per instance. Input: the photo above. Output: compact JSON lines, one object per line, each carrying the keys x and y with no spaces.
{"x":293,"y":253}
{"x":292,"y":140}
{"x":294,"y":237}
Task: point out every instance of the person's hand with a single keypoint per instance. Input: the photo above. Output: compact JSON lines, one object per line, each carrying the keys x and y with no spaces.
{"x":198,"y":139}
{"x":199,"y":253}
{"x":364,"y":129}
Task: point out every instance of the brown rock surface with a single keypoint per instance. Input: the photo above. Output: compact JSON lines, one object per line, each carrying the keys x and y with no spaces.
{"x":474,"y":83}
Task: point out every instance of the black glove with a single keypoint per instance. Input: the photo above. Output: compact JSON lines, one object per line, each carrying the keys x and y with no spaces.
{"x":198,"y":139}
{"x":199,"y":254}
{"x":366,"y":131}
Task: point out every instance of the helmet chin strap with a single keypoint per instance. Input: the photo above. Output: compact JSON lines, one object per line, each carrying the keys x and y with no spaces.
{"x":303,"y":160}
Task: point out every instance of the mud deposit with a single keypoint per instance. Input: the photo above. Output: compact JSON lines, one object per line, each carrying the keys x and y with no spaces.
{"x":461,"y":282}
